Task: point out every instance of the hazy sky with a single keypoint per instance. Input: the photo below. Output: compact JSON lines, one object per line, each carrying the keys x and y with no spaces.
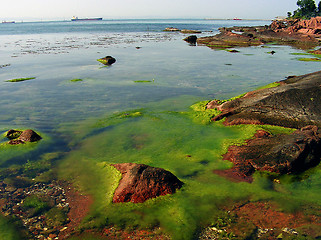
{"x":65,"y":9}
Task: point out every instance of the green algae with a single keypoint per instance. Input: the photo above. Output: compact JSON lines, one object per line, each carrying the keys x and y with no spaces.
{"x":20,"y":79}
{"x":172,"y":141}
{"x":7,"y":230}
{"x":309,"y":59}
{"x":119,"y":117}
{"x":144,"y":81}
{"x":271,"y":85}
{"x":76,"y":80}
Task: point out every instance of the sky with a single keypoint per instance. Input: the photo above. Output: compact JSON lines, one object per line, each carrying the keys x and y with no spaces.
{"x":114,"y":9}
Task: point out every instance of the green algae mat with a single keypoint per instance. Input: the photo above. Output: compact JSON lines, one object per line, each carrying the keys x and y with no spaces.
{"x":189,"y":147}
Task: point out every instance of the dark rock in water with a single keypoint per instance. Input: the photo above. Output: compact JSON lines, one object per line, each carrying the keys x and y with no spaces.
{"x":29,"y":136}
{"x":191,"y":39}
{"x":141,"y":182}
{"x":295,"y":103}
{"x":108,"y":60}
{"x":13,"y":134}
{"x":280,"y":154}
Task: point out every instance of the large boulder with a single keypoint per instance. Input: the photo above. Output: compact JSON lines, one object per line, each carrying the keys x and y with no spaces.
{"x":141,"y":182}
{"x":295,"y":103}
{"x":281,"y":154}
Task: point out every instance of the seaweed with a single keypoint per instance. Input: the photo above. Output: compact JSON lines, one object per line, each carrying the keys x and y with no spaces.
{"x":20,"y":79}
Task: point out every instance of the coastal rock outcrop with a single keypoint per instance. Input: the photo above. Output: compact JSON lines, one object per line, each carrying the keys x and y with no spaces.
{"x":282,"y":154}
{"x":141,"y":182}
{"x":294,"y":103}
{"x":302,"y":34}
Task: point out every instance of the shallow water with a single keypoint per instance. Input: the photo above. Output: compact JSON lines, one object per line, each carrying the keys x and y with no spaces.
{"x":75,"y":117}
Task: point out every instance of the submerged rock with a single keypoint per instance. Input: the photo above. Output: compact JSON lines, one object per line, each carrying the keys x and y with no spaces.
{"x":108,"y":60}
{"x":281,"y":154}
{"x":141,"y":182}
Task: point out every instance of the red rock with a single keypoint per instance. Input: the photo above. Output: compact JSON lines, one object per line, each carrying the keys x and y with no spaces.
{"x":141,"y":182}
{"x":281,"y":154}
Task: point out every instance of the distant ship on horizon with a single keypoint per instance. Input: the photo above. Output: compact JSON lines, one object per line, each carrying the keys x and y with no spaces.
{"x":85,"y":19}
{"x":8,"y":21}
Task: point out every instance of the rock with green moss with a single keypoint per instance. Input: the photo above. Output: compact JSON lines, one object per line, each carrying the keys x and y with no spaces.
{"x":20,"y":137}
{"x":108,"y":60}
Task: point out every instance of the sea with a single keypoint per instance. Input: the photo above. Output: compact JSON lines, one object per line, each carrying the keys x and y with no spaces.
{"x":79,"y":107}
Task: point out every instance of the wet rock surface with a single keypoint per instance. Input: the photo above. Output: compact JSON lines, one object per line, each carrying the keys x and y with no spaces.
{"x":281,"y":154}
{"x":295,"y":103}
{"x":141,"y":182}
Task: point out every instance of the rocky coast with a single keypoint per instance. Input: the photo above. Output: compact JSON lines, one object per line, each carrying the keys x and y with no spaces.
{"x":56,"y":209}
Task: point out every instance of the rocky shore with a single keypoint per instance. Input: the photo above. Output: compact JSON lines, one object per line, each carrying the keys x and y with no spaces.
{"x":304,"y":34}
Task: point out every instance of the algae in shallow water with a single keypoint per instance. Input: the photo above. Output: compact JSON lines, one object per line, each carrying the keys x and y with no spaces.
{"x":174,"y":142}
{"x":20,"y":79}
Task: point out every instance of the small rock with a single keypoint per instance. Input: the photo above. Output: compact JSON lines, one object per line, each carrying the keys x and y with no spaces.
{"x":141,"y":182}
{"x":191,"y":39}
{"x":108,"y":60}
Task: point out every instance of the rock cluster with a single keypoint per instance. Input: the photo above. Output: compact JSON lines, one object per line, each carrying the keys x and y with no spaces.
{"x":301,"y":34}
{"x":42,"y":208}
{"x":309,"y":27}
{"x":20,"y":137}
{"x":141,"y":182}
{"x":294,"y":103}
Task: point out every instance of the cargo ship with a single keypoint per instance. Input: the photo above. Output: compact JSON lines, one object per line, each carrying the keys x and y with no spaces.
{"x":85,"y":19}
{"x":8,"y":21}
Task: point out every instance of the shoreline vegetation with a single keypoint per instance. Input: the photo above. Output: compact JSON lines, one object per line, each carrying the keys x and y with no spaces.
{"x":49,"y":199}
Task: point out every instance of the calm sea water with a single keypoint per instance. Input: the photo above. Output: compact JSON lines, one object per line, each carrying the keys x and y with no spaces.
{"x":179,"y":75}
{"x":56,"y":52}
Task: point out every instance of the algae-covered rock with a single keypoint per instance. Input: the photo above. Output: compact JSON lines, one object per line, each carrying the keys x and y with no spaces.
{"x":108,"y":60}
{"x":20,"y":137}
{"x":281,"y":154}
{"x":141,"y":182}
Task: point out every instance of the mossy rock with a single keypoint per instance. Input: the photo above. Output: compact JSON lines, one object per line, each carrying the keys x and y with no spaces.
{"x":34,"y":206}
{"x":56,"y":217}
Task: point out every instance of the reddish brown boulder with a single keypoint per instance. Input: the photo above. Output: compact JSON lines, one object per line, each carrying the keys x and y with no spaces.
{"x":141,"y":182}
{"x":280,"y":154}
